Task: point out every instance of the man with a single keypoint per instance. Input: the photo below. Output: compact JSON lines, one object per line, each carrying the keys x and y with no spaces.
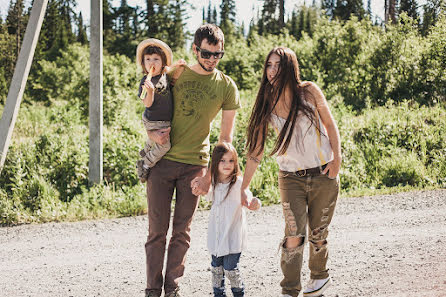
{"x":199,"y":94}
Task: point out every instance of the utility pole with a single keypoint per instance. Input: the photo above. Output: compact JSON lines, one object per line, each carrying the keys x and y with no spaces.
{"x":95,"y":173}
{"x":20,"y":77}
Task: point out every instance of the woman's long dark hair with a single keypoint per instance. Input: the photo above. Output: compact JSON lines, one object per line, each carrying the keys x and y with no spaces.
{"x":217,"y":154}
{"x":287,"y":77}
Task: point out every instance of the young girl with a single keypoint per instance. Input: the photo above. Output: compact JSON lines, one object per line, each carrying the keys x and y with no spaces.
{"x":227,"y":233}
{"x":155,"y":57}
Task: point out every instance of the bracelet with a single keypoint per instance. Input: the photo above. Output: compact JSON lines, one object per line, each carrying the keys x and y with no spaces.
{"x":254,"y":159}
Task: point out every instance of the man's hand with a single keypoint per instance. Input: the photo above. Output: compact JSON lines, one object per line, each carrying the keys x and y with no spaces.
{"x":160,"y":136}
{"x":200,"y":185}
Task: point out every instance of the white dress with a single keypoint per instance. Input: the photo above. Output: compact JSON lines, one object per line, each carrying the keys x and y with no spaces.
{"x":227,"y":228}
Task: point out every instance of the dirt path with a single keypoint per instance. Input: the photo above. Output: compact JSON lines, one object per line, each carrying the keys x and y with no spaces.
{"x":393,"y":245}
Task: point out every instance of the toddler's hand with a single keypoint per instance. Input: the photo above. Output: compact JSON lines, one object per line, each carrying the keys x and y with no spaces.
{"x":180,"y":62}
{"x":149,"y":85}
{"x":255,"y":204}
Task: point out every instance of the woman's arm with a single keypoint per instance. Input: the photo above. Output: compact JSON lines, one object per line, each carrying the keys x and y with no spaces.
{"x":252,"y":162}
{"x":331,"y":127}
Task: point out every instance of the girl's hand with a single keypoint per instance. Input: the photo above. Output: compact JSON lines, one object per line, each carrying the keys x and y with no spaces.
{"x":255,"y":204}
{"x":200,"y":185}
{"x":333,"y":168}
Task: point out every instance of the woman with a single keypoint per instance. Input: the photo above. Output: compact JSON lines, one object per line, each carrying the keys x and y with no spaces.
{"x":309,"y":158}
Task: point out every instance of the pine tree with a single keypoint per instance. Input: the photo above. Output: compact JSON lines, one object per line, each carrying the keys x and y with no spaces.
{"x":310,"y":21}
{"x":270,"y":17}
{"x":214,"y":16}
{"x":108,"y":23}
{"x":432,"y":11}
{"x":66,"y":10}
{"x":410,"y":7}
{"x":281,"y":14}
{"x":302,"y":21}
{"x":369,"y":9}
{"x":150,"y":19}
{"x":16,"y":22}
{"x":209,"y":16}
{"x":346,"y":8}
{"x":293,"y":24}
{"x":328,"y":6}
{"x":81,"y":30}
{"x":390,"y":11}
{"x":227,"y":19}
{"x":176,"y":37}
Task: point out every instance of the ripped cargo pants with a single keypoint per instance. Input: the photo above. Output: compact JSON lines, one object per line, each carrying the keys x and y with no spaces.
{"x":307,"y":201}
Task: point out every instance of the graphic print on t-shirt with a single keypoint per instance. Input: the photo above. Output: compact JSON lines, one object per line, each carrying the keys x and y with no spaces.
{"x":193,"y":94}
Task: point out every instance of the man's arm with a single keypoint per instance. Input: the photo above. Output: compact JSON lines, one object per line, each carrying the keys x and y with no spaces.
{"x":200,"y":185}
{"x":227,"y":125}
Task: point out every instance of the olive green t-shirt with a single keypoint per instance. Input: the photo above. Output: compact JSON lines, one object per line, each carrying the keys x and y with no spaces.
{"x":197,"y":100}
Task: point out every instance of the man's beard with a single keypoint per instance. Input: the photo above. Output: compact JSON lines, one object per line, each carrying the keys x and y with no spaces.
{"x":204,"y":67}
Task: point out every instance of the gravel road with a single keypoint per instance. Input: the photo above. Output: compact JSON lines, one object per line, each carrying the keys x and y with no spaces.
{"x":390,"y":245}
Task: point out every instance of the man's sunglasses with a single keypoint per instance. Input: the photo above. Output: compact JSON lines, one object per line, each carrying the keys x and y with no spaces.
{"x":205,"y":54}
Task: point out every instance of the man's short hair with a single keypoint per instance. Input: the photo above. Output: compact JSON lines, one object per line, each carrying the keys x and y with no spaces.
{"x":211,"y":32}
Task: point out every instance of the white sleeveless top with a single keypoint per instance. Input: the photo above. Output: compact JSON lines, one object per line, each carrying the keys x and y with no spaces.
{"x":308,"y":147}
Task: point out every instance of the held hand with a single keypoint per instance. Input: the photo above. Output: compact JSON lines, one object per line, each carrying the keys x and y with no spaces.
{"x":200,"y":185}
{"x":244,"y":198}
{"x":160,"y":136}
{"x":255,"y":204}
{"x":332,"y":168}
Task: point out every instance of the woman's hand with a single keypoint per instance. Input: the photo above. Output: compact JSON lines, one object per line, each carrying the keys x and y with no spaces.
{"x":333,"y":168}
{"x":244,"y":198}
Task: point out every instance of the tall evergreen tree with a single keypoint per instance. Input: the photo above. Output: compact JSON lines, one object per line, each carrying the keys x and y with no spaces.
{"x":150,"y":18}
{"x":329,"y":7}
{"x":214,"y":16}
{"x":431,"y":12}
{"x":270,"y":16}
{"x":410,"y":7}
{"x":390,"y":11}
{"x":346,"y":8}
{"x":176,"y":37}
{"x":369,"y":9}
{"x":281,"y":14}
{"x":108,"y":23}
{"x":81,"y":30}
{"x":209,"y":15}
{"x":227,"y":19}
{"x":16,"y":21}
{"x":293,"y":25}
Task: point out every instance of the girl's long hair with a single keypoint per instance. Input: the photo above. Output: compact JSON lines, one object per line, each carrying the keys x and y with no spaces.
{"x":287,"y":77}
{"x":217,"y":154}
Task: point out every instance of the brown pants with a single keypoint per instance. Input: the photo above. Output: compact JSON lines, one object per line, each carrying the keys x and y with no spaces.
{"x":164,"y":178}
{"x":308,"y":200}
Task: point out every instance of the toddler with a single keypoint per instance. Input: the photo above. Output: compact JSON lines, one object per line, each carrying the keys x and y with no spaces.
{"x":155,"y":57}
